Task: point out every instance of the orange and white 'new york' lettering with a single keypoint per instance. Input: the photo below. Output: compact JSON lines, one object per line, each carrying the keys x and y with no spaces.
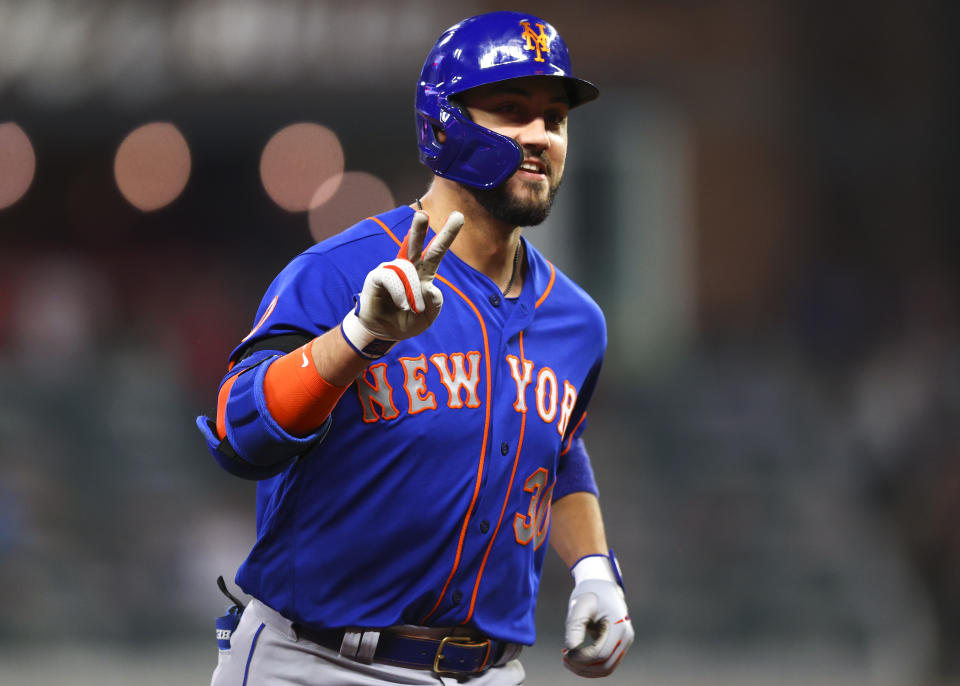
{"x":522,"y":381}
{"x":377,"y":393}
{"x":566,"y":406}
{"x":415,"y":384}
{"x":459,"y":377}
{"x":547,"y":398}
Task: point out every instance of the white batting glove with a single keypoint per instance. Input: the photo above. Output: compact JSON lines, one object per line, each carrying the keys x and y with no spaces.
{"x":399,"y":299}
{"x":598,"y":629}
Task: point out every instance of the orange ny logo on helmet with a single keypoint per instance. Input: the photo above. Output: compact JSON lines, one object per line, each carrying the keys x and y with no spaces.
{"x":539,"y":42}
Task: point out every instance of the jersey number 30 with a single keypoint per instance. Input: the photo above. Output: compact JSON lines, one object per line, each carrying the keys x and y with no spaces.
{"x":533,"y":525}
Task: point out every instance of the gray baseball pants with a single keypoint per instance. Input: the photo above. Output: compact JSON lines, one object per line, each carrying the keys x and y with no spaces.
{"x":265,"y":651}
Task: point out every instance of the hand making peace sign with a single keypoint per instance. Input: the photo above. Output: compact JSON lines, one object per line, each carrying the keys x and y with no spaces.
{"x":399,"y":299}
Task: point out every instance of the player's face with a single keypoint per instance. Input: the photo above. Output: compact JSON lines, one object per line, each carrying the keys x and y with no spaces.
{"x":533,"y":112}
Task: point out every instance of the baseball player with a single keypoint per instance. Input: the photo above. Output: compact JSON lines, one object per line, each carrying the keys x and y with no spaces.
{"x":412,"y":401}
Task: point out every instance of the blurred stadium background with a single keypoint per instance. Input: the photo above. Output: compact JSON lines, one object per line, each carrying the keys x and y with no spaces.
{"x":760,"y":200}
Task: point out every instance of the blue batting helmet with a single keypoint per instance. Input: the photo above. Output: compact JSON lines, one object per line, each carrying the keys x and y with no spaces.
{"x":478,"y":51}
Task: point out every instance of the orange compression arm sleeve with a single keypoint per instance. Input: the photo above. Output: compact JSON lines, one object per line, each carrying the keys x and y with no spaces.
{"x":299,"y":399}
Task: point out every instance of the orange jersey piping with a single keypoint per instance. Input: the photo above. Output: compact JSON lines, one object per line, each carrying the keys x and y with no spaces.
{"x":570,"y":438}
{"x":486,"y":431}
{"x":483,"y":447}
{"x":389,"y":232}
{"x":546,"y":292}
{"x":269,"y":311}
{"x":506,"y":500}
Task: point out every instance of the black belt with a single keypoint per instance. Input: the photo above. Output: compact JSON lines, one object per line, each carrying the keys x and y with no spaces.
{"x":450,"y":654}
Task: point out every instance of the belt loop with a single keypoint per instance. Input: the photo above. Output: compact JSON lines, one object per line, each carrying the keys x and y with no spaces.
{"x":350,"y":644}
{"x":368,"y":646}
{"x":359,"y":645}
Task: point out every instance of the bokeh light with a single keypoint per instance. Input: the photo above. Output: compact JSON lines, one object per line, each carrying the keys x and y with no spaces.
{"x":152,"y":165}
{"x":358,"y":195}
{"x":17,"y":163}
{"x":297,"y":161}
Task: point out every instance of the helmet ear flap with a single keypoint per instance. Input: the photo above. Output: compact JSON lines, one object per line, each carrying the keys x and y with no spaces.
{"x":471,"y":154}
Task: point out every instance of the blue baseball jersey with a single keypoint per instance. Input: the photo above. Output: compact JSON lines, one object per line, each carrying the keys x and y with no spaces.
{"x":425,"y":498}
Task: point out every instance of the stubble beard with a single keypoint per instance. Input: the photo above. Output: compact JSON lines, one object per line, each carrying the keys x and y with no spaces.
{"x":516,"y":209}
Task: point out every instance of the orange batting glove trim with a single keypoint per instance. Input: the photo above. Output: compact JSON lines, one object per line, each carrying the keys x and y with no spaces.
{"x":404,"y":245}
{"x":407,"y":288}
{"x":298,"y":398}
{"x":402,"y":253}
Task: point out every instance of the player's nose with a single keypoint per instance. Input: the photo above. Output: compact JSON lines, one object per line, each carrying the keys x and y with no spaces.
{"x":534,"y":134}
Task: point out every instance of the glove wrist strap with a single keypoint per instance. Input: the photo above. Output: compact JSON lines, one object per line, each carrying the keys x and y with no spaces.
{"x":364,"y":343}
{"x":597,"y":566}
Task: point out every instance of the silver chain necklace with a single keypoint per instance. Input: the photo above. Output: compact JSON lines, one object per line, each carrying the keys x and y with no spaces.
{"x":516,"y":261}
{"x":513,"y":273}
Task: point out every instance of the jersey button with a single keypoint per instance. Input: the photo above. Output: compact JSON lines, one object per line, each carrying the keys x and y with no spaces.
{"x":484,"y":526}
{"x":504,"y":448}
{"x":495,"y":300}
{"x":457,"y":597}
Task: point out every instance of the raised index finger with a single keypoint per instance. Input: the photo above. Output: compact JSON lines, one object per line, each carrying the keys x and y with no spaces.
{"x":439,"y":245}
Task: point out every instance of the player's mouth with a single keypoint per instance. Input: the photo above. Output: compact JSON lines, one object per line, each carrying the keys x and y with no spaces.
{"x":532,"y":169}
